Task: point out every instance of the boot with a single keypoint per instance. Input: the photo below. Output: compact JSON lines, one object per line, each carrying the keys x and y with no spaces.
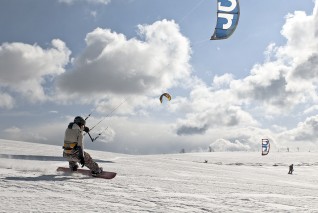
{"x":74,"y":168}
{"x":96,"y":173}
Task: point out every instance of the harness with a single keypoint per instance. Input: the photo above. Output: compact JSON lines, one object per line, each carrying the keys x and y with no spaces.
{"x":69,"y":147}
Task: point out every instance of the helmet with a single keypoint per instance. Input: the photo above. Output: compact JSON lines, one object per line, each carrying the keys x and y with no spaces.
{"x":79,"y":120}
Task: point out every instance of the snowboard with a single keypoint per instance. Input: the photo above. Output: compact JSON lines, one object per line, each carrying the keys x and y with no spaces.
{"x":104,"y":174}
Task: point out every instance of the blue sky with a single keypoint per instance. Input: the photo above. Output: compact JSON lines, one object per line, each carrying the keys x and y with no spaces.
{"x":60,"y":59}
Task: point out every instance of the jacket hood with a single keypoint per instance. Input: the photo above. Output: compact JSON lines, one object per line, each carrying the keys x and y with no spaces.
{"x":73,"y":125}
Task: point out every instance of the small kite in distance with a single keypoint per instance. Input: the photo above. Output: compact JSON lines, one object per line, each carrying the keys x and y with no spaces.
{"x":265,"y":146}
{"x":166,"y":95}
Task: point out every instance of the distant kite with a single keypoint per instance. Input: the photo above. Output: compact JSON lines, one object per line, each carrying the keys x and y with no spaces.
{"x":227,"y":19}
{"x":166,"y":95}
{"x":265,"y":146}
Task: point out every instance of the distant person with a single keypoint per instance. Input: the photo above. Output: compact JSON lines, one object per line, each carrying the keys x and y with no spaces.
{"x":291,"y":169}
{"x":74,"y":147}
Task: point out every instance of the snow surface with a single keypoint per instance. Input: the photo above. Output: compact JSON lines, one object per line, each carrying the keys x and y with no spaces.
{"x":228,"y":182}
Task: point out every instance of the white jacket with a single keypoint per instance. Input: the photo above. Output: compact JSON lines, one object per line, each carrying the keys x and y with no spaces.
{"x":73,"y":139}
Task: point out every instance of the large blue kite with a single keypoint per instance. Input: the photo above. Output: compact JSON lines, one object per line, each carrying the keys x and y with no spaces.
{"x":227,"y":19}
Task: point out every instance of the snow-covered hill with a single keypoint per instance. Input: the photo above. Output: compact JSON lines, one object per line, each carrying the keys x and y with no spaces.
{"x":227,"y":182}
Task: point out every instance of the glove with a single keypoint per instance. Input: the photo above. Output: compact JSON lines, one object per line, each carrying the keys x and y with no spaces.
{"x":86,"y":129}
{"x":82,"y":161}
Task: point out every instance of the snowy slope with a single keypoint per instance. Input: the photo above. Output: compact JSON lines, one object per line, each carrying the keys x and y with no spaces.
{"x":239,"y":182}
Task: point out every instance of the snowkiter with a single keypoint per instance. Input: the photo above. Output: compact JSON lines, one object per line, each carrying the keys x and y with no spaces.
{"x":291,"y":169}
{"x":74,"y":147}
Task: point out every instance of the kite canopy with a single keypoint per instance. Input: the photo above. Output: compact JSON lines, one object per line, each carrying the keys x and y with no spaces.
{"x":166,"y":95}
{"x":227,"y":19}
{"x":265,"y":146}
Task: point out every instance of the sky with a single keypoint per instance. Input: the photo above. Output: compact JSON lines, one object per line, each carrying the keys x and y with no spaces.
{"x":114,"y":58}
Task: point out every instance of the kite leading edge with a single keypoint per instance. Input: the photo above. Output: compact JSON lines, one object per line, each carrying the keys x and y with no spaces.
{"x":227,"y":19}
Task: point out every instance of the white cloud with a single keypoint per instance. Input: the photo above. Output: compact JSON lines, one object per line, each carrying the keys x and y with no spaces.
{"x":216,"y":117}
{"x":52,"y":132}
{"x":12,"y":130}
{"x":222,"y":145}
{"x":311,"y":109}
{"x":7,"y":102}
{"x":289,"y":75}
{"x":24,"y":67}
{"x":306,"y":131}
{"x":210,"y":108}
{"x":267,"y":86}
{"x":223,"y":81}
{"x":105,"y":135}
{"x":93,"y":13}
{"x":112,"y":64}
{"x":53,"y":112}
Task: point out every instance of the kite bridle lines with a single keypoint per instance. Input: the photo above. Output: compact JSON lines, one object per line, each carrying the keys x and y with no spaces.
{"x":108,"y":115}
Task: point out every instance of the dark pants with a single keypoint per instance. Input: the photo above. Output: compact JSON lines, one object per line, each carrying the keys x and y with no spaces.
{"x":73,"y":160}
